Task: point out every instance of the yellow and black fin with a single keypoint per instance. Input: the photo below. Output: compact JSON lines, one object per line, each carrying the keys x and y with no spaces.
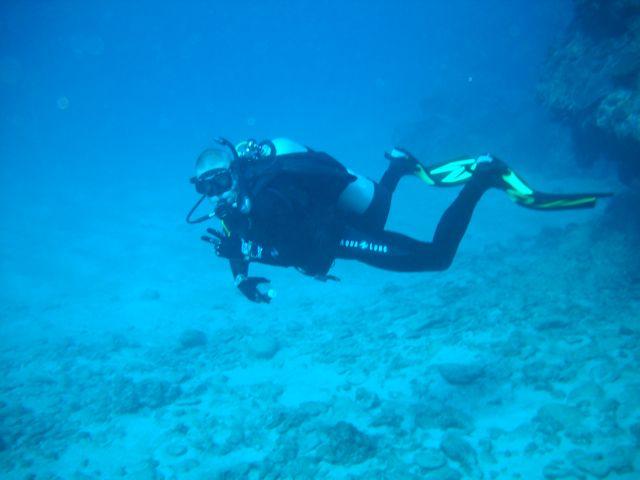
{"x":460,"y":171}
{"x":521,"y":193}
{"x":449,"y":174}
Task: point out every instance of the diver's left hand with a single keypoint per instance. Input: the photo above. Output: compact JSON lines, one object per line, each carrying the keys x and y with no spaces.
{"x":249,"y":288}
{"x":225,"y":246}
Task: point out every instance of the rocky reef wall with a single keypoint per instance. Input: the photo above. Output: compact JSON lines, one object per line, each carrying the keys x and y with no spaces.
{"x":591,"y":81}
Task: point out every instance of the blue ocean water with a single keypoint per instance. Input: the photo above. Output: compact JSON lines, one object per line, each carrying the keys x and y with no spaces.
{"x":126,"y":350}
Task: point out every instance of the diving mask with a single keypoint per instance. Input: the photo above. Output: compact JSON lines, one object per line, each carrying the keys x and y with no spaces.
{"x":214,"y":183}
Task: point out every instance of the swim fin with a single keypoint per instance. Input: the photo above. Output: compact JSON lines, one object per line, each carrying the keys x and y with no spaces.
{"x":448,"y":174}
{"x":523,"y":195}
{"x":459,"y":171}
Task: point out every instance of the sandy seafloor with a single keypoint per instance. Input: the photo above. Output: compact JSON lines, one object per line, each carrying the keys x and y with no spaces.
{"x":127,"y":353}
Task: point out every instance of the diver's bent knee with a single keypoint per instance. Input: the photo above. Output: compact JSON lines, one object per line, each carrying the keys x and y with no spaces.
{"x":442,"y":263}
{"x":444,"y":266}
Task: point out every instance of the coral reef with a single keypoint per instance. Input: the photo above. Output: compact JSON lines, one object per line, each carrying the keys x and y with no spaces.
{"x":591,"y":81}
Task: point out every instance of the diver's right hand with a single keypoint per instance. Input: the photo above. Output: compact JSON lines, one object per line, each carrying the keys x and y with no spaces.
{"x":225,"y":246}
{"x":249,"y":288}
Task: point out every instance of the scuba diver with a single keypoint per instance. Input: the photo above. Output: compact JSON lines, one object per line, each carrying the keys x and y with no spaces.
{"x":283,"y":204}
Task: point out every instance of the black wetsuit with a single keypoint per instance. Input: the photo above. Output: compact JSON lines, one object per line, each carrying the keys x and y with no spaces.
{"x":366,"y":240}
{"x":295,"y":221}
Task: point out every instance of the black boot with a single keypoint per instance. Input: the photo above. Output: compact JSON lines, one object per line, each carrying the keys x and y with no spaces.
{"x":402,"y":161}
{"x":489,"y":172}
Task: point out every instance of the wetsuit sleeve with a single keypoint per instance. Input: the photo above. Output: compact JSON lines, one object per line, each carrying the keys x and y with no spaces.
{"x":239,"y":268}
{"x":248,"y":252}
{"x":241,"y":252}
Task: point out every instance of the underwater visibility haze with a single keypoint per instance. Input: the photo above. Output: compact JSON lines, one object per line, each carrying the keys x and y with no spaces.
{"x":421,"y":239}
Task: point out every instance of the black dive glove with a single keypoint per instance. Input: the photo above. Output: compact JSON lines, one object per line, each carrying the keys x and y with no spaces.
{"x":225,"y":246}
{"x":249,"y":288}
